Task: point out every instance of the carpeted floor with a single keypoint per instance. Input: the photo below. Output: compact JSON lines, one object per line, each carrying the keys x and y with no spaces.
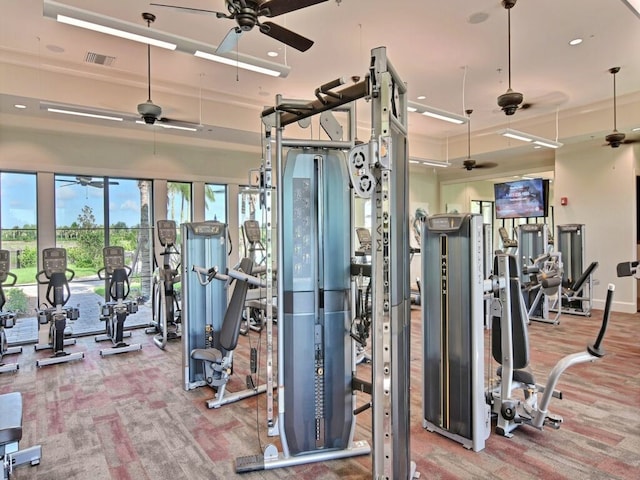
{"x":127,"y":417}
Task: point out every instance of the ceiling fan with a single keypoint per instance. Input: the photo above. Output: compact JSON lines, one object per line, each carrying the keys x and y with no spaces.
{"x":246,"y":13}
{"x":510,"y":101}
{"x":616,"y":138}
{"x":149,"y":111}
{"x":85,"y":181}
{"x":469,"y":164}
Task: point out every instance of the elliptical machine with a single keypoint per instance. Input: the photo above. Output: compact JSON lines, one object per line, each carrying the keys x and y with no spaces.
{"x":115,"y":312}
{"x":166,"y":314}
{"x":54,"y":261}
{"x":7,"y":319}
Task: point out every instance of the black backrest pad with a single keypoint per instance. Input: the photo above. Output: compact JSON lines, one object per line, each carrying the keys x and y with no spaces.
{"x":230,"y":330}
{"x":579,"y":283}
{"x":520,"y":337}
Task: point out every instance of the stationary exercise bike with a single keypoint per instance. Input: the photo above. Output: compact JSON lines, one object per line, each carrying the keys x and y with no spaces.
{"x":115,"y":312}
{"x":510,"y":348}
{"x":7,"y":319}
{"x":54,"y":275}
{"x":166,"y":322}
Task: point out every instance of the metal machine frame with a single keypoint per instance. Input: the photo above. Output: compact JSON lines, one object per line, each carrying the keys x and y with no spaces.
{"x":570,"y":241}
{"x":203,"y":244}
{"x":378,"y":170}
{"x":454,"y":403}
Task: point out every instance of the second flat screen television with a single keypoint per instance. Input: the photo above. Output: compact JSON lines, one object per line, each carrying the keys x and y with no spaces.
{"x":523,"y":198}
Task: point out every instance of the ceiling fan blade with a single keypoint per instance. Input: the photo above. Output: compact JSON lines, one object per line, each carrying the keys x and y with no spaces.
{"x":273,"y":8}
{"x":486,"y":165}
{"x":97,"y":184}
{"x":230,"y":41}
{"x":286,"y":36}
{"x":191,"y":10}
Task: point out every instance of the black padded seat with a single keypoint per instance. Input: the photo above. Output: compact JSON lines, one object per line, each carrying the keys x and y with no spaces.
{"x":10,"y":418}
{"x":207,"y":354}
{"x":522,"y":376}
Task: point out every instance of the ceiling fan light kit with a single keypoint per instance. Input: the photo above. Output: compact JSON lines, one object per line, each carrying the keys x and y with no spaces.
{"x":527,"y":137}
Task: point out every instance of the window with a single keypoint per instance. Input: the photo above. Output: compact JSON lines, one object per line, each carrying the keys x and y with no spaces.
{"x":18,"y":222}
{"x":215,"y":202}
{"x":130,"y":227}
{"x":251,"y":209}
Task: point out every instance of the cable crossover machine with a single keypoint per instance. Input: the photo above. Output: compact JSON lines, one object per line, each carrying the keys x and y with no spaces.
{"x":315,"y":347}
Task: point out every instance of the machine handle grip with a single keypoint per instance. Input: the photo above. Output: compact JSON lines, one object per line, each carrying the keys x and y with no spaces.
{"x":594,"y":349}
{"x":12,"y":283}
{"x":42,"y":282}
{"x":73,"y":274}
{"x":101,"y":273}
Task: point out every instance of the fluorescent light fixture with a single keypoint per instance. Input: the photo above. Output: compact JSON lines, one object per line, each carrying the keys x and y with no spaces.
{"x":140,"y":33}
{"x":437,"y":113}
{"x":20,"y":106}
{"x":84,"y":114}
{"x":115,"y":32}
{"x":634,"y":5}
{"x":168,"y":126}
{"x":637,"y":129}
{"x":100,"y":23}
{"x":527,"y":137}
{"x":236,"y":63}
{"x":428,"y":163}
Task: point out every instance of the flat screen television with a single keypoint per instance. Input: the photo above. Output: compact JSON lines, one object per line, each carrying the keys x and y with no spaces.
{"x":523,"y":198}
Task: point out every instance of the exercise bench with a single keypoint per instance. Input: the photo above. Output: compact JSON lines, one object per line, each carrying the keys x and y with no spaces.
{"x":11,"y":434}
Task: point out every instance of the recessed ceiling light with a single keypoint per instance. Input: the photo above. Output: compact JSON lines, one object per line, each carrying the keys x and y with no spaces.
{"x":421,"y":97}
{"x":271,"y":53}
{"x":19,"y":105}
{"x":477,"y":17}
{"x":575,"y":41}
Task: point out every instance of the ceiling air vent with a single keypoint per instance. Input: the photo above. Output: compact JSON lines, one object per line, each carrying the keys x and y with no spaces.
{"x":99,"y":59}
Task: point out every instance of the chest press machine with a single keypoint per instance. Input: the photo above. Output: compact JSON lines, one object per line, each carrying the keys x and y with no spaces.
{"x":54,"y":275}
{"x":510,"y":348}
{"x":455,"y":403}
{"x":118,"y":308}
{"x":7,"y":319}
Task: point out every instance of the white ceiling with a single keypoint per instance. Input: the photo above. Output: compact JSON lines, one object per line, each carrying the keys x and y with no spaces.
{"x":433,"y":44}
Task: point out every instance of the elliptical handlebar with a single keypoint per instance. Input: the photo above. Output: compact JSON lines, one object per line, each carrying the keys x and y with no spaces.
{"x":46,"y":282}
{"x":9,"y":284}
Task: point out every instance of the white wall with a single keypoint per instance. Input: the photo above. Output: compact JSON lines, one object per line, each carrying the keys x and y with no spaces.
{"x":61,"y":152}
{"x":600,"y":185}
{"x":423,"y":193}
